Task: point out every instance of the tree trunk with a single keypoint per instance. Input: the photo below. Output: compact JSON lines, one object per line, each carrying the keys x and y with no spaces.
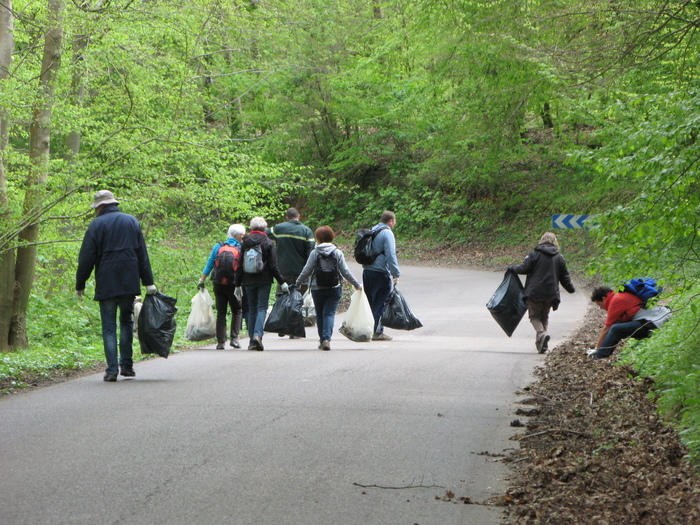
{"x":77,"y":89}
{"x":7,"y":259}
{"x":39,"y":149}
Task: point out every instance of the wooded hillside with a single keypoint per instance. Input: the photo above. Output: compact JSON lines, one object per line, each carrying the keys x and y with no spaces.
{"x":474,"y":121}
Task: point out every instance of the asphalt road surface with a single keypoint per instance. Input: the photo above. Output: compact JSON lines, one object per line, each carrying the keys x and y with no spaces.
{"x":368,"y":433}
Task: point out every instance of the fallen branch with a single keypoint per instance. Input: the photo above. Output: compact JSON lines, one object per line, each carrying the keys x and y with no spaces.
{"x":399,"y":488}
{"x":553,"y":430}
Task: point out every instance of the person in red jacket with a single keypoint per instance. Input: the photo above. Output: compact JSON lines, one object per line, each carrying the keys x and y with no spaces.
{"x":619,"y":323}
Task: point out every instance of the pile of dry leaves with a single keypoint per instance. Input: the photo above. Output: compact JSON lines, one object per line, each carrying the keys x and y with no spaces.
{"x":594,"y":449}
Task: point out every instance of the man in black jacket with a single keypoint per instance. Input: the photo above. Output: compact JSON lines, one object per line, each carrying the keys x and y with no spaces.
{"x":114,"y":246}
{"x":545,"y":269}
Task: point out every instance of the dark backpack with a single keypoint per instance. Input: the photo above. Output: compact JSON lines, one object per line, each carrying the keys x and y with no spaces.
{"x":645,"y":288}
{"x":326,"y":271}
{"x":253,"y":260}
{"x":364,"y":254}
{"x":227,"y":264}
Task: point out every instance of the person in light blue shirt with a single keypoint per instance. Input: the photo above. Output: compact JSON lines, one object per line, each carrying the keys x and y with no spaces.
{"x":377,"y":277}
{"x":227,"y":294}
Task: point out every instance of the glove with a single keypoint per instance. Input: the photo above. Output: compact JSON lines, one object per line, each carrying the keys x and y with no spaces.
{"x":284,"y":287}
{"x":238,"y":293}
{"x":151,"y":289}
{"x":80,"y":293}
{"x":396,"y":281}
{"x":200,"y":285}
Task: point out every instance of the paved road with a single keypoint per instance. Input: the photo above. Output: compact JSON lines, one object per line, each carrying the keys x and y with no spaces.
{"x":289,"y":435}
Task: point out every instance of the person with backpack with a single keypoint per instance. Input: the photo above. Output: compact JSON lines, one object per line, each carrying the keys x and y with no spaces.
{"x":546,"y":269}
{"x":224,"y":266}
{"x":626,"y":317}
{"x":259,"y":269}
{"x":324,"y":271}
{"x":382,"y":271}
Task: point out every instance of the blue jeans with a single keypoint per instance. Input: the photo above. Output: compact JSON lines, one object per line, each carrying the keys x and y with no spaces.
{"x":258,"y":300}
{"x":108,"y":314}
{"x":326,"y":303}
{"x":377,"y":287}
{"x":620,"y":331}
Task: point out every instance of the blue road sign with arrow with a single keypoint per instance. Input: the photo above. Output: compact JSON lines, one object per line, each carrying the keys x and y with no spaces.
{"x":570,"y":221}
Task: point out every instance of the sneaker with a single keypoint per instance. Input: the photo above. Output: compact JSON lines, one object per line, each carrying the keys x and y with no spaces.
{"x":235,"y":343}
{"x":220,"y":346}
{"x":127,"y":371}
{"x":545,"y":345}
{"x":325,"y":345}
{"x":381,"y":337}
{"x":110,"y":377}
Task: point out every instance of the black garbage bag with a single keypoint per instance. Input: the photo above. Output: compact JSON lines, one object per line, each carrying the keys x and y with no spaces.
{"x":397,"y":314}
{"x":157,"y":324}
{"x":287,"y":316}
{"x":507,"y":305}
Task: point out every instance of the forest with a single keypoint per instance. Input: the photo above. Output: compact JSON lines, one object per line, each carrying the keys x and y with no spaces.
{"x":474,"y":120}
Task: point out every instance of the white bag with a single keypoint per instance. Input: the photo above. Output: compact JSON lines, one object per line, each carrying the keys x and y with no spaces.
{"x":308,"y":309}
{"x":359,"y":322}
{"x":201,"y":323}
{"x":656,"y":314}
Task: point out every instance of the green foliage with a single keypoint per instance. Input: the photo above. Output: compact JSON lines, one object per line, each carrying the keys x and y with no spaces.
{"x":671,"y":359}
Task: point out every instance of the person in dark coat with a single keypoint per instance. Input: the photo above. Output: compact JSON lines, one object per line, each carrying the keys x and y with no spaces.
{"x":114,"y":246}
{"x":258,"y":284}
{"x":546,"y":270}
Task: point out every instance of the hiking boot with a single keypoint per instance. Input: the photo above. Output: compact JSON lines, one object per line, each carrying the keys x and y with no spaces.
{"x":235,"y":343}
{"x":381,"y":337}
{"x":325,"y":345}
{"x":110,"y":377}
{"x":127,"y":371}
{"x":220,"y":346}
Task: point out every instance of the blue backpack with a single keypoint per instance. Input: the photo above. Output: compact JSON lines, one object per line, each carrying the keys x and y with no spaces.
{"x":645,"y":288}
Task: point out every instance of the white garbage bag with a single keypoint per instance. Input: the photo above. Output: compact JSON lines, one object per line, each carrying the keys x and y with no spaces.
{"x":359,"y":322}
{"x":201,"y":324}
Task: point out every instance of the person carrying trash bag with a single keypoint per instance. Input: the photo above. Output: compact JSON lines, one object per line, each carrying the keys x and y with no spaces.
{"x":225,"y":267}
{"x":546,"y":270}
{"x":259,"y":270}
{"x":114,"y":247}
{"x":324,"y":270}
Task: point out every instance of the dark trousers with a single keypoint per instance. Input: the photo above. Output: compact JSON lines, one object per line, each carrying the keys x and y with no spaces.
{"x":377,"y":287}
{"x":108,"y":315}
{"x":636,"y":329}
{"x":326,"y":303}
{"x":224,"y":299}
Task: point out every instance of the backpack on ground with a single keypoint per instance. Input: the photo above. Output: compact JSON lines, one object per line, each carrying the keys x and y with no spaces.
{"x":253,"y":260}
{"x":364,"y":254}
{"x":326,"y":271}
{"x":645,"y":288}
{"x":227,"y":264}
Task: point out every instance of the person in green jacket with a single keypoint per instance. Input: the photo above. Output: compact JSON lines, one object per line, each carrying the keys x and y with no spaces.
{"x":295,"y":242}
